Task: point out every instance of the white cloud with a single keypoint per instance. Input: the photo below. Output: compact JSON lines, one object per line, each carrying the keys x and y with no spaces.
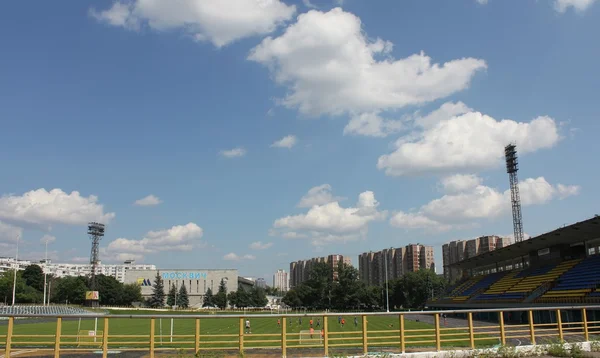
{"x":9,"y":233}
{"x":565,"y":191}
{"x":259,"y":245}
{"x":177,"y":238}
{"x":235,"y":257}
{"x":233,"y":153}
{"x":459,"y":182}
{"x":482,"y":2}
{"x":220,"y":22}
{"x":286,"y":142}
{"x":318,"y":195}
{"x":372,"y":125}
{"x":41,"y":207}
{"x":445,"y":112}
{"x":330,"y":222}
{"x":309,"y":4}
{"x":578,"y":5}
{"x":149,"y":200}
{"x":48,"y":239}
{"x":471,"y":203}
{"x":331,"y":67}
{"x":468,"y":142}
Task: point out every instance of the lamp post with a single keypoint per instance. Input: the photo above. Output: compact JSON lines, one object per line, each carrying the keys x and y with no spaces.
{"x":45,"y":272}
{"x":387,"y":291}
{"x":15,"y":273}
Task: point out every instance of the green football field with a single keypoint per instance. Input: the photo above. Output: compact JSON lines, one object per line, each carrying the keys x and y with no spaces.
{"x":223,"y":333}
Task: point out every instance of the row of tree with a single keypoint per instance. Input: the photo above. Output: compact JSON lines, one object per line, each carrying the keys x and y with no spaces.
{"x":29,"y":288}
{"x":321,"y":291}
{"x":255,"y":297}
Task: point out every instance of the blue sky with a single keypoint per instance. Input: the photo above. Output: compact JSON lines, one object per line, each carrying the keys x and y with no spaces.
{"x":394,"y":113}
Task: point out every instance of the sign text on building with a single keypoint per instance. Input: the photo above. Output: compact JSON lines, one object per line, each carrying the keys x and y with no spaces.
{"x":183,"y":275}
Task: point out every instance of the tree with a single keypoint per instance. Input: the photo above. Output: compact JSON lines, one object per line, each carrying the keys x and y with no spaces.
{"x":292,"y":299}
{"x":347,"y":290}
{"x":239,"y":298}
{"x":131,"y":293}
{"x":34,"y":277}
{"x":221,"y":296}
{"x":183,"y":300}
{"x":258,"y":297}
{"x":69,"y":290}
{"x":110,"y":290}
{"x":208,"y":299}
{"x":172,"y":296}
{"x":158,"y":292}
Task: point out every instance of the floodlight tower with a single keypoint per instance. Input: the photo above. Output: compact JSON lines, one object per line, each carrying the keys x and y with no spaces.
{"x":96,"y":232}
{"x":512,"y":166}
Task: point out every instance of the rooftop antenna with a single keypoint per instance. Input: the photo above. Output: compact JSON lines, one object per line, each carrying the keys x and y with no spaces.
{"x":512,"y":167}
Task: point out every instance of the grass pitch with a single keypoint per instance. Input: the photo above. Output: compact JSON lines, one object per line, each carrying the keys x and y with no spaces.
{"x":223,"y":333}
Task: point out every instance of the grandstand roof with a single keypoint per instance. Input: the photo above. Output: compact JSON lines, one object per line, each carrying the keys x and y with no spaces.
{"x":574,"y":233}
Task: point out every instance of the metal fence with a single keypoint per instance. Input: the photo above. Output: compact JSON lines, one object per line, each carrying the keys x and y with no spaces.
{"x":395,"y":332}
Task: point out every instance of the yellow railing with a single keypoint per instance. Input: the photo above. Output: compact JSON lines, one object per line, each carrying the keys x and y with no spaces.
{"x":393,"y":332}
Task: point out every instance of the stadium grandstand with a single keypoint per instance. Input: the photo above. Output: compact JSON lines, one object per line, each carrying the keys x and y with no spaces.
{"x":558,"y":268}
{"x":43,"y":311}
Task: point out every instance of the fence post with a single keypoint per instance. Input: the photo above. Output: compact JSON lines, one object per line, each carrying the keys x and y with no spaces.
{"x":241,"y":339}
{"x":57,"y":337}
{"x":559,"y":324}
{"x":197,"y":337}
{"x":502,"y":333}
{"x":438,"y":343}
{"x":325,"y":335}
{"x":284,"y":337}
{"x":9,"y":333}
{"x":104,"y":339}
{"x":152,"y":327}
{"x":586,"y":334}
{"x":471,"y":332}
{"x":531,"y":327}
{"x":402,"y":347}
{"x":364,"y":335}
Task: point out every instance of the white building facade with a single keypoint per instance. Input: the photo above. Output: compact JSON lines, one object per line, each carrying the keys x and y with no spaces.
{"x":64,"y":269}
{"x":281,"y":281}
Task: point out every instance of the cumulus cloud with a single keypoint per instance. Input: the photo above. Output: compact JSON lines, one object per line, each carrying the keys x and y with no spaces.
{"x":149,"y":200}
{"x":233,"y":153}
{"x":578,"y":5}
{"x":331,"y":66}
{"x":467,"y":202}
{"x":220,"y":22}
{"x":329,"y":222}
{"x":318,"y":195}
{"x":235,"y":257}
{"x":177,"y":238}
{"x":372,"y":125}
{"x":460,"y":182}
{"x":9,"y":233}
{"x":466,"y":142}
{"x":285,"y":142}
{"x":41,"y":207}
{"x":259,"y":245}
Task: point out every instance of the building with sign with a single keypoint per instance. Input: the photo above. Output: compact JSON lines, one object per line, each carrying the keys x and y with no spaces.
{"x":197,"y":282}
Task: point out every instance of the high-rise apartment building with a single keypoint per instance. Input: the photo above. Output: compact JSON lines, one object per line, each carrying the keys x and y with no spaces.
{"x":456,"y":251}
{"x":280,"y":281}
{"x":395,"y":262}
{"x":300,"y":270}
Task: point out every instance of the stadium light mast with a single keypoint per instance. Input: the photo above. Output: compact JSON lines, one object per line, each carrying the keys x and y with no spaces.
{"x":96,"y":232}
{"x":512,"y":166}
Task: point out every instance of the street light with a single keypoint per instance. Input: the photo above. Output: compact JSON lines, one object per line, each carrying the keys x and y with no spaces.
{"x":45,"y":271}
{"x":15,"y":273}
{"x":387,"y":291}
